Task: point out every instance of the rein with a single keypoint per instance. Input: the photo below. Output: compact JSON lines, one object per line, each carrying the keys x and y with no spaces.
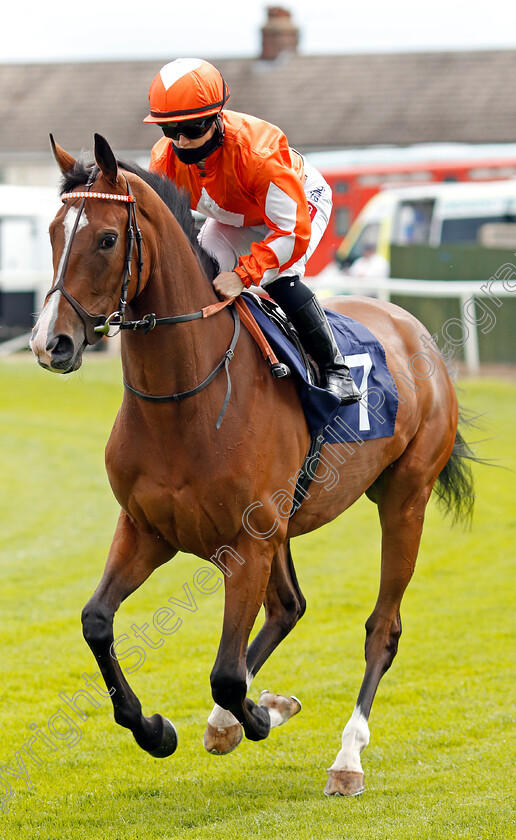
{"x":224,"y":362}
{"x":96,"y":326}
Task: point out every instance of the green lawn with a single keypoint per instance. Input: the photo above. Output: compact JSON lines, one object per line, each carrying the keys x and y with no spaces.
{"x":440,"y":761}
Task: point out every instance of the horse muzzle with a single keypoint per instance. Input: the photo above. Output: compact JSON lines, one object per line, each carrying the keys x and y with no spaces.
{"x":58,"y":341}
{"x":58,"y":352}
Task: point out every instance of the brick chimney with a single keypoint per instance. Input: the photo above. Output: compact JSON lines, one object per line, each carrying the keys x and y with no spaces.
{"x":279,"y":34}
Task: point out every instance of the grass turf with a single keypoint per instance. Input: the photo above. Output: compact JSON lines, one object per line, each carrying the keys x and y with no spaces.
{"x":440,"y":761}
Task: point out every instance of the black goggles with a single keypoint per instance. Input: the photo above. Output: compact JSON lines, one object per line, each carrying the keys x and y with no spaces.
{"x":193,"y":129}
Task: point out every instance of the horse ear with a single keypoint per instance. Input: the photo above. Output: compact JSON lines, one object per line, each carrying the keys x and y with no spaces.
{"x":105,"y":159}
{"x":64,"y":160}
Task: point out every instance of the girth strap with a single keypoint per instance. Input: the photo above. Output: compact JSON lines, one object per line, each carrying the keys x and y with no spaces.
{"x":306,"y":474}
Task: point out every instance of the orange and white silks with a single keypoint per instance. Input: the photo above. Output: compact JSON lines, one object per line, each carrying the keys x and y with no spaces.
{"x":253,"y":179}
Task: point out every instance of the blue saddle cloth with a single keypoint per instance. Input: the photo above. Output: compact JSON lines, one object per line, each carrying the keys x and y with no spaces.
{"x":375,"y":415}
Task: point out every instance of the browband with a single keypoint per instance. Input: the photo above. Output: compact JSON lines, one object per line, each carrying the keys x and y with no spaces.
{"x":112,"y":196}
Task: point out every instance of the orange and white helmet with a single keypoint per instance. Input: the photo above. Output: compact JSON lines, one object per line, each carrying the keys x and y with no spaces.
{"x":186,"y":89}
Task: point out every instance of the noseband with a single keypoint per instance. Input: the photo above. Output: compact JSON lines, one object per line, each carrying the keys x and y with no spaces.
{"x":96,"y":326}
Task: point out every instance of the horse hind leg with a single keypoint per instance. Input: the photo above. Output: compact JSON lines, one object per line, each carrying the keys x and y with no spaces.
{"x":402,"y":495}
{"x":132,"y":558}
{"x":284,"y":605}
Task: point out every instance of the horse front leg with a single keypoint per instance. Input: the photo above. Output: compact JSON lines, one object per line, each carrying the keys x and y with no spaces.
{"x":133,"y":556}
{"x":284,"y":605}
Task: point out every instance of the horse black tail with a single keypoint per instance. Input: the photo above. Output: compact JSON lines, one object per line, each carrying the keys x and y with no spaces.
{"x":455,"y":486}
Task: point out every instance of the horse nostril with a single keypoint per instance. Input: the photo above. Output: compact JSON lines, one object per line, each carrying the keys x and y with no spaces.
{"x":61,"y":348}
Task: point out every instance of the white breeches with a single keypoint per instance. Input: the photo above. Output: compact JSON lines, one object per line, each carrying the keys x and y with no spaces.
{"x":227,"y":243}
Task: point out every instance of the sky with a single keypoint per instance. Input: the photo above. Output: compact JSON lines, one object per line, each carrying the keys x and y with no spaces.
{"x":36,"y":31}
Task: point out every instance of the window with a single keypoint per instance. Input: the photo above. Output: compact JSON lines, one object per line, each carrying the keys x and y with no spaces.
{"x":341,"y":220}
{"x":412,"y":222}
{"x":467,"y":230}
{"x":367,"y":239}
{"x":341,"y":186}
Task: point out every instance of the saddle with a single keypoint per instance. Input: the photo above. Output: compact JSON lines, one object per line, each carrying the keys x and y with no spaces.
{"x":276,"y":315}
{"x":328,"y":421}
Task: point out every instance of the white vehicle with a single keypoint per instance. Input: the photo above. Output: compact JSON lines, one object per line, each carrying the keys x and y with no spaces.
{"x":25,"y":253}
{"x":435,"y":214}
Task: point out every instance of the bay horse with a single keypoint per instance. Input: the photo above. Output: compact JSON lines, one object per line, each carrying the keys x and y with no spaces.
{"x":184,"y":479}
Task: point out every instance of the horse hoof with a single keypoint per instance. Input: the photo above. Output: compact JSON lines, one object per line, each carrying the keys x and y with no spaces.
{"x":344,"y":783}
{"x":285,"y":707}
{"x":168,"y":740}
{"x":220,"y":740}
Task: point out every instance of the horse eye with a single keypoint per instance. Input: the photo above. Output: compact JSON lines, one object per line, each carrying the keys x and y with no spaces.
{"x":108,"y":241}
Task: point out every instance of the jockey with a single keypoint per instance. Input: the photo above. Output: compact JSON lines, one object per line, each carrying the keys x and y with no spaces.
{"x":266,"y":207}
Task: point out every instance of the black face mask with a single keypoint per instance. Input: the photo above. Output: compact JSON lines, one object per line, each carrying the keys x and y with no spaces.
{"x":191,"y":156}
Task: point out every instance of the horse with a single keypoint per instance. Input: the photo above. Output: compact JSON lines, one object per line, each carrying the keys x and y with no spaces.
{"x":183,"y":478}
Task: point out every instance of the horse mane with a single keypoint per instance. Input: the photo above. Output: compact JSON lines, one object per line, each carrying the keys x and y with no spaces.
{"x":176,"y":200}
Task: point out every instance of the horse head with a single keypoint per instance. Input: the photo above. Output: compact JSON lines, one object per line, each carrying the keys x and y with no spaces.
{"x":95,"y":269}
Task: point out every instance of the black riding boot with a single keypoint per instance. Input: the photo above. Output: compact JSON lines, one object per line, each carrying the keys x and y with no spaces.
{"x":318,"y":340}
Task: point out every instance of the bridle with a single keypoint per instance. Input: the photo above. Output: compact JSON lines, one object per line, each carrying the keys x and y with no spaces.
{"x":97,"y":326}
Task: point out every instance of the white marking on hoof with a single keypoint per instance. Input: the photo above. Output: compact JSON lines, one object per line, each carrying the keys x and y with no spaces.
{"x":280,"y":708}
{"x":354,"y":738}
{"x":221,"y":718}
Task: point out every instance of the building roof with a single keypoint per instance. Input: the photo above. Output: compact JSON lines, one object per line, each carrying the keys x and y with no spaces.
{"x":321,"y":102}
